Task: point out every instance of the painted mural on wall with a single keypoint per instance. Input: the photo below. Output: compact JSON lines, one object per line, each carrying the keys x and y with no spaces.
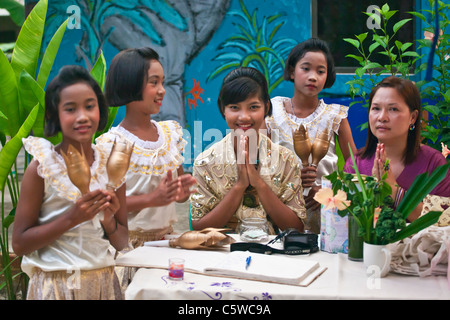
{"x":199,"y":42}
{"x":177,"y":30}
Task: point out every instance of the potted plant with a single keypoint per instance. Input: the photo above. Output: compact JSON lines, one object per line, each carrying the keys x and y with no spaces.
{"x":370,"y":204}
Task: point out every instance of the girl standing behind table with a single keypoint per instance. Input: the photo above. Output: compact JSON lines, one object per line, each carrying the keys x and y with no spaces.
{"x":65,"y":253}
{"x":245,"y":175}
{"x":155,"y":178}
{"x":310,"y":67}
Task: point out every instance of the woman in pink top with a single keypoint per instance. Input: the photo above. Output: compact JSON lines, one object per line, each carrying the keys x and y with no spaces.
{"x":394,"y":134}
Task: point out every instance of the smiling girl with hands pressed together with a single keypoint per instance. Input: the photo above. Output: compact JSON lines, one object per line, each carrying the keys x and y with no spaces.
{"x":245,"y":175}
{"x":394,"y":134}
{"x":65,"y":253}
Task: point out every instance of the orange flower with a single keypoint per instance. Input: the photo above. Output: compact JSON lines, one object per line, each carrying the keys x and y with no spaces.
{"x":196,"y":91}
{"x":325,"y":197}
{"x":445,"y":150}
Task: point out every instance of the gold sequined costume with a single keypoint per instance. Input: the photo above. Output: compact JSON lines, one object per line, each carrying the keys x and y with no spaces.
{"x":216,"y":172}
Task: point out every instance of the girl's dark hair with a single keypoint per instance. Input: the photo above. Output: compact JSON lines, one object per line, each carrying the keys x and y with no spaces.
{"x":67,"y":76}
{"x":240,"y":84}
{"x":299,"y":51}
{"x":127,"y":75}
{"x":408,"y":90}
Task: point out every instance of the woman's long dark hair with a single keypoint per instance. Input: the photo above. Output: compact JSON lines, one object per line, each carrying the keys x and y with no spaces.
{"x":410,"y":94}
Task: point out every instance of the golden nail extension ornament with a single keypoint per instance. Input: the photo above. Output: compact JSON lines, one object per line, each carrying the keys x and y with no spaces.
{"x":205,"y":239}
{"x":118,"y":162}
{"x":320,"y":147}
{"x":78,"y":168}
{"x":302,"y":144}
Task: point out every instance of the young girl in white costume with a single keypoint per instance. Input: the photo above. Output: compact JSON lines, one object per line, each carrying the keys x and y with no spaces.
{"x":310,"y":67}
{"x":66,"y":251}
{"x":155,"y":178}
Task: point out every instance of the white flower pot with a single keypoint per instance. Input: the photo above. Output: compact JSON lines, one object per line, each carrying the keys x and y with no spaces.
{"x":377,"y":259}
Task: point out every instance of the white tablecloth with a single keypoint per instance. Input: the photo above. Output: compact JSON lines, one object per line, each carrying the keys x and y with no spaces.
{"x":343,"y":279}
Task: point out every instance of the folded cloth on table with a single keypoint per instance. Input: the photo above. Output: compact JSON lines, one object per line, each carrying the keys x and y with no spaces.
{"x":424,"y":254}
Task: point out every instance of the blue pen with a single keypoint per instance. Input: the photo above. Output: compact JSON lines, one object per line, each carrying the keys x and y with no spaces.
{"x":247,"y":262}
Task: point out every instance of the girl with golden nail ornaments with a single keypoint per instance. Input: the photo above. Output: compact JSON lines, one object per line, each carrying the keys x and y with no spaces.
{"x":310,"y":67}
{"x":245,"y":175}
{"x":155,"y":178}
{"x":66,"y":254}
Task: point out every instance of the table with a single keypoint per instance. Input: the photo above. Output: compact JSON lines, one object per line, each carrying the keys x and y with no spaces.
{"x":343,"y":279}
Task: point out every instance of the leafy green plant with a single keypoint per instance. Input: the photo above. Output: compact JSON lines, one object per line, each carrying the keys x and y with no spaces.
{"x":370,"y":203}
{"x":255,"y":46}
{"x":16,"y":12}
{"x":399,"y":56}
{"x":437,"y":128}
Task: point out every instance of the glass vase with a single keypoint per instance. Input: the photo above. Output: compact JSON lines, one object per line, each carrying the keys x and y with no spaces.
{"x":355,"y":242}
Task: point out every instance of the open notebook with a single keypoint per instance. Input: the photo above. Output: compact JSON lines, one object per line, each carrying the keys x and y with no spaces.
{"x":269,"y":268}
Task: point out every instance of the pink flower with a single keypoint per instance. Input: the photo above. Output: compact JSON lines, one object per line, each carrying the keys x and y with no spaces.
{"x":325,"y":197}
{"x":445,"y":150}
{"x":430,"y":36}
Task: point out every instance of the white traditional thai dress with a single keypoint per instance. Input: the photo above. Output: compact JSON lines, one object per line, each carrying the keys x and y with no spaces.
{"x":79,"y":264}
{"x":216,"y":172}
{"x":281,"y":124}
{"x":149,"y":164}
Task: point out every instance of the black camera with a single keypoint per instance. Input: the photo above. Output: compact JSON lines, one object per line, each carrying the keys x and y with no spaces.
{"x":294,"y":240}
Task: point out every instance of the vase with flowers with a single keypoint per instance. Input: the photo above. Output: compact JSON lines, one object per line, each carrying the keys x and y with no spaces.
{"x":369,"y":202}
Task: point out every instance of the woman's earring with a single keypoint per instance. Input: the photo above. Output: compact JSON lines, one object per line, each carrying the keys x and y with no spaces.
{"x":412,"y":126}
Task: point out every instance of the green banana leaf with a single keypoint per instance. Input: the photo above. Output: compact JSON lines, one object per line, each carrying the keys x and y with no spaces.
{"x":9,"y":152}
{"x":421,"y":186}
{"x":9,"y":97}
{"x":28,"y":44}
{"x":37,"y":91}
{"x":31,"y":90}
{"x":417,"y":225}
{"x":15,"y":9}
{"x":98,"y":72}
{"x":44,"y":71}
{"x":50,"y":55}
{"x":27,"y":99}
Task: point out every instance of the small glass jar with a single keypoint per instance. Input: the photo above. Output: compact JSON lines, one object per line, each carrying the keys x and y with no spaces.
{"x":254,"y":230}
